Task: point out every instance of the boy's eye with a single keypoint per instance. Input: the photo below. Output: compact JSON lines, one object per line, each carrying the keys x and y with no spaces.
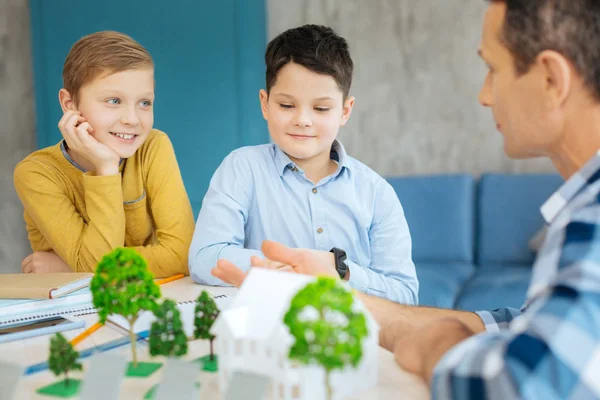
{"x":322,"y":109}
{"x":286,"y":106}
{"x":113,"y":101}
{"x":145,"y":103}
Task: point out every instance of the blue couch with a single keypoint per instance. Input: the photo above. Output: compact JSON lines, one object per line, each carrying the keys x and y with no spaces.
{"x":471,"y":238}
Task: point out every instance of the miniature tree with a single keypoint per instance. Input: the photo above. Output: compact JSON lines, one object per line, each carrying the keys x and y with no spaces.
{"x":167,"y":337}
{"x":205,"y":314}
{"x":123,"y":285}
{"x":63,"y":358}
{"x":326,"y":328}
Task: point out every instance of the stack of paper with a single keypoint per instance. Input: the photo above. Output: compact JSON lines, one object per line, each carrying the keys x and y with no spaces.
{"x":14,"y":311}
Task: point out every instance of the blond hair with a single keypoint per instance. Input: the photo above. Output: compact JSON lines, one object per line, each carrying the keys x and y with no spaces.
{"x":101,"y":53}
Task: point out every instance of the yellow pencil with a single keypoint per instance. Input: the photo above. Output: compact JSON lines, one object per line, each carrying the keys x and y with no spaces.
{"x":79,"y":338}
{"x":170,"y":279}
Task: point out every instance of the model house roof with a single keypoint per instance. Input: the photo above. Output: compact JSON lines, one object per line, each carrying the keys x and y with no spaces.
{"x":261,"y":303}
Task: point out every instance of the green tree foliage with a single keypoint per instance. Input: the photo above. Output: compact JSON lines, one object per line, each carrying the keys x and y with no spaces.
{"x":63,"y":358}
{"x":326,"y":328}
{"x":167,"y":337}
{"x":123,"y":285}
{"x":205,"y":314}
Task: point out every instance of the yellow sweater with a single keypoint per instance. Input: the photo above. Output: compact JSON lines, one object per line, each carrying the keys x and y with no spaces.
{"x":82,"y":216}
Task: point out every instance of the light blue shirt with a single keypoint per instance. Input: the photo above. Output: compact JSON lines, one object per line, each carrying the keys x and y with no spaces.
{"x":258,"y":194}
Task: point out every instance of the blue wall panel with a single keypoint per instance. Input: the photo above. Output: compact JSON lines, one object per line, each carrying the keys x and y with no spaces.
{"x":209,"y":68}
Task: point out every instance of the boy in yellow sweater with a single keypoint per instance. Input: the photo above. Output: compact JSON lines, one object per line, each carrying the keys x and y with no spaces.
{"x":113,"y":181}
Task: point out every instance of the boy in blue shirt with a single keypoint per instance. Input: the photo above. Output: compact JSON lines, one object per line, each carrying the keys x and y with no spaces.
{"x":303,"y":189}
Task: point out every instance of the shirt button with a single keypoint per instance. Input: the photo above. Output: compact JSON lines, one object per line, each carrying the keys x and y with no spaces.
{"x":320,"y":230}
{"x":315,"y":190}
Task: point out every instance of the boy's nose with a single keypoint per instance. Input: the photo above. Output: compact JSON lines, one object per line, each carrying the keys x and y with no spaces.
{"x":302,"y":120}
{"x":130,"y":118}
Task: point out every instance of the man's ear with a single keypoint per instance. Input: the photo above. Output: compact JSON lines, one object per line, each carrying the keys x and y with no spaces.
{"x":558,"y":76}
{"x":67,"y":102}
{"x":347,"y":110}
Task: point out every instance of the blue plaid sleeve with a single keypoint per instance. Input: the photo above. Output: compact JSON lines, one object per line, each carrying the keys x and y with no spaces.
{"x":551,"y":351}
{"x":498,"y":319}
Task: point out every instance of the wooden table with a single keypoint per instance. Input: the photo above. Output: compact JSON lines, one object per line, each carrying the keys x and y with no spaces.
{"x":394,"y":383}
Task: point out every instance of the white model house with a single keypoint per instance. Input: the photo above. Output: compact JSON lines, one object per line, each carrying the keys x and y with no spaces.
{"x":251,"y":337}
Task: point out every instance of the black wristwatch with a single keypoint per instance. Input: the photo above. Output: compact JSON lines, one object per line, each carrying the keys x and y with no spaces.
{"x":340,"y":261}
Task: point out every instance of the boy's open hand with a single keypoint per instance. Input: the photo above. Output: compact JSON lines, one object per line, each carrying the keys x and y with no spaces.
{"x":281,"y":258}
{"x":44,"y":262}
{"x":76,"y":131}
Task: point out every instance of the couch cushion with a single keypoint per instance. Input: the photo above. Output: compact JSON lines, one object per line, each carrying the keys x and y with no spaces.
{"x":440,"y":283}
{"x":440,"y":213}
{"x":509,"y":215}
{"x":495,"y":286}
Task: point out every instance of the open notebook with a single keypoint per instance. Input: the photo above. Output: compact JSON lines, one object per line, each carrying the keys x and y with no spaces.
{"x":144,"y":321}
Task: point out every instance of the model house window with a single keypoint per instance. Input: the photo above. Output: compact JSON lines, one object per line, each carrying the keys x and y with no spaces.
{"x":238,"y":346}
{"x":253,"y":347}
{"x":296,"y":392}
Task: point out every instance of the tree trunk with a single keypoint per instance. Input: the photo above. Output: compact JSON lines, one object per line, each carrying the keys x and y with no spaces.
{"x":212,"y":357}
{"x":133,"y":340}
{"x":328,"y":385}
{"x":67,"y":378}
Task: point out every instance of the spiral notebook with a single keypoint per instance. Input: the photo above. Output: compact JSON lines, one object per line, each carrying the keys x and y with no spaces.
{"x":17,"y":311}
{"x":145,"y":319}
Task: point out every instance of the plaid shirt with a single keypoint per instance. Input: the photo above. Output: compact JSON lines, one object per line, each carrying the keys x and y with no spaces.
{"x":550,"y":348}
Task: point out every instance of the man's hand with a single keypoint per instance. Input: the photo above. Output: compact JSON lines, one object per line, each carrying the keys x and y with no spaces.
{"x":44,"y":262}
{"x":77,"y":133}
{"x":420,"y":351}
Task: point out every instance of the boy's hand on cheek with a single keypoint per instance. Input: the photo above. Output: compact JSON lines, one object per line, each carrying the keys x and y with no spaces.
{"x":77,"y":132}
{"x":44,"y":262}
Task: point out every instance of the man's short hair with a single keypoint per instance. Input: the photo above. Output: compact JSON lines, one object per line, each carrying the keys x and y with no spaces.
{"x":569,"y":27}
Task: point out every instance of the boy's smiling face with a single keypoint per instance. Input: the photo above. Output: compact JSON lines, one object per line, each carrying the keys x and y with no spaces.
{"x":304,"y":112}
{"x":119,"y":107}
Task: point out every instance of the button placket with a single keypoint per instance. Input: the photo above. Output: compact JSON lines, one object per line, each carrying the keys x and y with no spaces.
{"x":319,"y":217}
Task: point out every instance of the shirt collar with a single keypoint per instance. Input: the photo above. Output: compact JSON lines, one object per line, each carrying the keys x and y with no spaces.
{"x":63,"y":149}
{"x":588,"y":174}
{"x":338,"y":154}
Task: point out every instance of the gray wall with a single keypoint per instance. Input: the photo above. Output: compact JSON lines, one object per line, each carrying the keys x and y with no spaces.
{"x":17,"y":125}
{"x":416,"y":83}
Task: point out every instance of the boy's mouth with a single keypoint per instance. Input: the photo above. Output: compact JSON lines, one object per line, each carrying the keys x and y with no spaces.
{"x":301,"y":137}
{"x":127,"y":137}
